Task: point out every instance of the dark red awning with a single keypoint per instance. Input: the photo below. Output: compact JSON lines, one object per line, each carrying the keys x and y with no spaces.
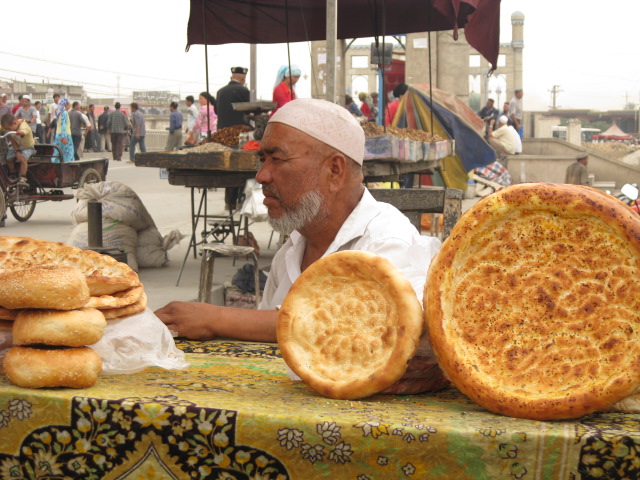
{"x":217,"y":22}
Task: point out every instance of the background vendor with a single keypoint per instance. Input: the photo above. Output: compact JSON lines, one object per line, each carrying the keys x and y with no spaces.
{"x":233,"y":92}
{"x":311,"y":153}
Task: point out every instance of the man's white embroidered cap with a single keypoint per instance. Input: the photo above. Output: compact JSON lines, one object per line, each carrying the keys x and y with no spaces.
{"x":325,"y":121}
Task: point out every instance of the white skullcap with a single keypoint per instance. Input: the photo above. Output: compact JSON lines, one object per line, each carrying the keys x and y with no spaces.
{"x":503,"y":119}
{"x":324,"y":121}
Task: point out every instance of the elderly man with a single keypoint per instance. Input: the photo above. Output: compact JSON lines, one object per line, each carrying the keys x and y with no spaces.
{"x":505,"y":140}
{"x":311,"y":176}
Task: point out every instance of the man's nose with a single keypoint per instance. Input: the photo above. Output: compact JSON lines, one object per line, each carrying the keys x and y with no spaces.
{"x":264,"y":174}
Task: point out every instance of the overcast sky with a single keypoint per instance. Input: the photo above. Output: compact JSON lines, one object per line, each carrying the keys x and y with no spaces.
{"x":588,"y":48}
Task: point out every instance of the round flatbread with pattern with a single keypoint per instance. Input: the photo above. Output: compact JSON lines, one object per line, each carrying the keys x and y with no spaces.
{"x":349,"y":325}
{"x":532,"y":303}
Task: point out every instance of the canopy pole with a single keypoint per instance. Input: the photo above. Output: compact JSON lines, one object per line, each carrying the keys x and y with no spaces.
{"x":253,"y":73}
{"x":332,"y":35}
{"x":206,"y":73}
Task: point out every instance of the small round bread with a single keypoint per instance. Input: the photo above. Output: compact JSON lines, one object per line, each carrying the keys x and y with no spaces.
{"x":72,"y":328}
{"x":29,"y":367}
{"x":59,"y":288}
{"x":532,"y":304}
{"x":349,"y":325}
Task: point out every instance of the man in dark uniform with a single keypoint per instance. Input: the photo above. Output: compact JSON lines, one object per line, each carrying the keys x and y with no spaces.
{"x":233,"y":92}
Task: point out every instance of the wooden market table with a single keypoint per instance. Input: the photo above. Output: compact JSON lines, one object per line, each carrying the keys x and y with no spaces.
{"x":234,"y":413}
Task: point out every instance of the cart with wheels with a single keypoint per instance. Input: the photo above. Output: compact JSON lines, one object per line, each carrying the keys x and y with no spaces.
{"x":47,"y":176}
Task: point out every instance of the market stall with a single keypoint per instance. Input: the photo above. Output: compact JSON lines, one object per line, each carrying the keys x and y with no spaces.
{"x":235,"y":414}
{"x":386,"y":158}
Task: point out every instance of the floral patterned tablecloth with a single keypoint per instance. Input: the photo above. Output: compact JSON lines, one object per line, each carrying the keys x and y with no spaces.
{"x":234,"y":414}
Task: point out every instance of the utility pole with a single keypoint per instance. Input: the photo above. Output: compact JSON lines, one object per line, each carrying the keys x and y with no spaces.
{"x":555,"y":91}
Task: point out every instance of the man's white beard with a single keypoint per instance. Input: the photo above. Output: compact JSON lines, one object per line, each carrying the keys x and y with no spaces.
{"x":303,"y":215}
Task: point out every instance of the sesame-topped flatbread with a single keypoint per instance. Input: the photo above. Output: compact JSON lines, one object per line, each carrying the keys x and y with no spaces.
{"x":349,"y":325}
{"x":104,"y":274}
{"x":532,"y":303}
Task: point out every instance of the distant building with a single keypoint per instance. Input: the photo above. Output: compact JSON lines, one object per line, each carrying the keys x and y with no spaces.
{"x":456,"y":66}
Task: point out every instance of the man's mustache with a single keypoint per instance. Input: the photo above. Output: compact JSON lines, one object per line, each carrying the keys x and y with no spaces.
{"x":271,"y":191}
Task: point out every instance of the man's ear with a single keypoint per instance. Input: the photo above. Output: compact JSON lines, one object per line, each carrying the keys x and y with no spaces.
{"x":337,"y":171}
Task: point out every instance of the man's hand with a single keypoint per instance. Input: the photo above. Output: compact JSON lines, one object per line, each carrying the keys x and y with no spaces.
{"x":190,"y":319}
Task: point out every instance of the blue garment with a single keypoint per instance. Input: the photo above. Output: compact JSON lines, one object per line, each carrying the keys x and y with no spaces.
{"x":63,"y":130}
{"x":175,"y":121}
{"x":354,"y":110}
{"x":132,"y":146}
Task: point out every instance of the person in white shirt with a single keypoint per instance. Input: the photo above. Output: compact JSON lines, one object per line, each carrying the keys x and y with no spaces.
{"x":312,"y":153}
{"x":192,"y":116}
{"x":505,"y":140}
{"x":39,"y":129}
{"x":51,"y":116}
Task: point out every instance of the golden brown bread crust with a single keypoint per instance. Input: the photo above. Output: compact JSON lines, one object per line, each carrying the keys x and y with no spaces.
{"x":349,"y":325}
{"x":104,"y":274}
{"x":73,"y":328}
{"x":58,"y":287}
{"x":113,"y":313}
{"x":29,"y":367}
{"x":532,"y":303}
{"x":6,"y":314}
{"x":117,"y":299}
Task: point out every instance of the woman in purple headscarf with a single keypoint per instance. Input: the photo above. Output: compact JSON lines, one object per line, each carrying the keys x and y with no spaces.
{"x":63,"y":132}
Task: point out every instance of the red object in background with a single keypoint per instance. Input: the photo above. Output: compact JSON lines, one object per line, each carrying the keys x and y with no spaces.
{"x":393,"y":75}
{"x":426,"y":180}
{"x":251,"y":145}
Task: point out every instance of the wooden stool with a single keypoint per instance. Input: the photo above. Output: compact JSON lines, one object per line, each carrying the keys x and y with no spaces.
{"x":209,"y":253}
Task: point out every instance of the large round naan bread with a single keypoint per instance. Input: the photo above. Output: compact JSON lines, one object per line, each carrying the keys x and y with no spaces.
{"x":349,"y":325}
{"x":533,"y":302}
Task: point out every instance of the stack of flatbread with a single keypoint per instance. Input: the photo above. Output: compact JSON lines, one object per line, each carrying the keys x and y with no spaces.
{"x":58,"y":299}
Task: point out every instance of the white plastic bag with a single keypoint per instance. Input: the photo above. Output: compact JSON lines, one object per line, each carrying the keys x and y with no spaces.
{"x":253,"y":206}
{"x":133,"y":343}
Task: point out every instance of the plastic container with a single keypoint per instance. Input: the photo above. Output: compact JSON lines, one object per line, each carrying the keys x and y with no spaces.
{"x":380,"y":147}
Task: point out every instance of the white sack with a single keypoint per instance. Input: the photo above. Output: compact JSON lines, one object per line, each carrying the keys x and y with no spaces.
{"x":114,"y":235}
{"x":119,"y":202}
